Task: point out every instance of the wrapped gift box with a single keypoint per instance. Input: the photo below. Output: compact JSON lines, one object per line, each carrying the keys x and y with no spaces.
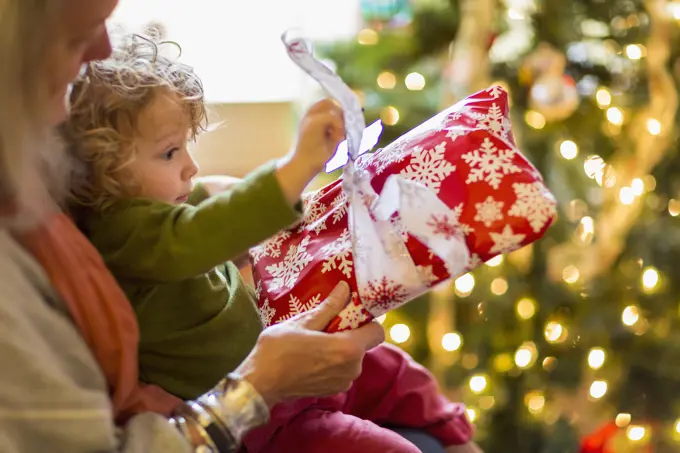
{"x":493,"y":199}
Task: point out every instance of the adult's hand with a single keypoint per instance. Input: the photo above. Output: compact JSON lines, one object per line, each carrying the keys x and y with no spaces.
{"x":296,"y":359}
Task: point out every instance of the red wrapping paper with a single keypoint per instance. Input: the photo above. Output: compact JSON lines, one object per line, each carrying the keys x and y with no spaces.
{"x":468,"y":157}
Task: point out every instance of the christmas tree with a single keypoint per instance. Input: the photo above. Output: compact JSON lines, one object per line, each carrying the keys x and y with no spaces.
{"x":573,"y":342}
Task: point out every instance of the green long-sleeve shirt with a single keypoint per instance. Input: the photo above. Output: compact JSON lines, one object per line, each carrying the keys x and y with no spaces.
{"x":198,"y":319}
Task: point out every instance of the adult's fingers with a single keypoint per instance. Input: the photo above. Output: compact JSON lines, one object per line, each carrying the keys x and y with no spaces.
{"x":319,"y":317}
{"x":368,"y":336}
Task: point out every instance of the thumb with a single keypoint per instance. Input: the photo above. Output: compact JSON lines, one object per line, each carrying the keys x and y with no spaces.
{"x":319,"y":317}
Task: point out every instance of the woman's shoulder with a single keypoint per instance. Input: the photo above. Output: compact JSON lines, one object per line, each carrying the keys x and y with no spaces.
{"x":31,"y":310}
{"x":19,"y":272}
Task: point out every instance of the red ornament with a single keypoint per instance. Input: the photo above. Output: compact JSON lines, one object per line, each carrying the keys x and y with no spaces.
{"x":597,"y":441}
{"x":466,"y":155}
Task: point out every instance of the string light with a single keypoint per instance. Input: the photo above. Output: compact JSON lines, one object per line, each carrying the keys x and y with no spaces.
{"x":534,"y":119}
{"x":526,"y":308}
{"x":390,"y":115}
{"x":598,"y":389}
{"x":636,"y":433}
{"x":596,"y":358}
{"x":649,"y":182}
{"x":495,"y":261}
{"x":568,"y":149}
{"x":471,"y":414}
{"x":414,"y":81}
{"x":367,"y":37}
{"x":653,"y":126}
{"x":630,"y":315}
{"x":535,"y":402}
{"x":677,"y":426}
{"x":650,"y":279}
{"x":526,"y":355}
{"x":626,"y":195}
{"x":487,"y":402}
{"x":674,"y":10}
{"x":555,"y":332}
{"x":549,"y":363}
{"x":674,"y":207}
{"x":634,"y":51}
{"x":622,"y":420}
{"x":464,"y":285}
{"x":470,"y":361}
{"x":586,"y":230}
{"x":637,"y":186}
{"x":478,"y":383}
{"x":499,"y":286}
{"x":386,"y":80}
{"x":603,"y":97}
{"x":570,"y":274}
{"x":594,"y":166}
{"x":503,"y":363}
{"x":615,"y":116}
{"x":452,"y":341}
{"x":381,"y":319}
{"x":400,"y":333}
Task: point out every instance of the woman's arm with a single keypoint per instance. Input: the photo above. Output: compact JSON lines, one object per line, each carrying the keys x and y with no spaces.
{"x":53,"y":396}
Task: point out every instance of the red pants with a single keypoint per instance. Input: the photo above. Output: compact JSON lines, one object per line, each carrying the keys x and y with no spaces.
{"x":393,"y":390}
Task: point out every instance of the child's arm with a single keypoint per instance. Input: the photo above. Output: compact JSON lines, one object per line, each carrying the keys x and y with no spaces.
{"x":150,"y":240}
{"x":394,"y":390}
{"x":208,"y":186}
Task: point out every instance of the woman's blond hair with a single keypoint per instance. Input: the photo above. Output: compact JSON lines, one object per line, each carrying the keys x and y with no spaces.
{"x":106,"y":102}
{"x":33,"y":169}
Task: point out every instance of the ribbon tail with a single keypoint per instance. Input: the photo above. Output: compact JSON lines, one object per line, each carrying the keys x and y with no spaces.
{"x":425,"y":217}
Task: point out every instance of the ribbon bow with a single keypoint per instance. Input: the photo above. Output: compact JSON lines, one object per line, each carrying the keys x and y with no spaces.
{"x":381,"y":258}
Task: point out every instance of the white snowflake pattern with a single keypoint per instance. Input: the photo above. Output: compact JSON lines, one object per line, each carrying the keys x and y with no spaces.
{"x":534,"y":203}
{"x":353,"y":315}
{"x":392,"y":154}
{"x":271,"y":247}
{"x":506,"y":241}
{"x":475,"y":261}
{"x":295,"y":307}
{"x":429,"y":166}
{"x":340,"y":205}
{"x":383,"y":294}
{"x":489,"y":211}
{"x":493,"y":121}
{"x":495,"y":91}
{"x":267,"y":313}
{"x":489,"y":164}
{"x":258,"y":289}
{"x":314,"y":211}
{"x":286,"y":273}
{"x":454,"y":132}
{"x":339,"y":255}
{"x":426,"y":274}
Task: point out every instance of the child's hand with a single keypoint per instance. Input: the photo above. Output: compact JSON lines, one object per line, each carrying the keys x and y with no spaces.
{"x":321,"y":131}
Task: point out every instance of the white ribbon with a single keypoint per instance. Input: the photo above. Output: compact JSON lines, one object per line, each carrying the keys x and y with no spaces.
{"x":382,"y":263}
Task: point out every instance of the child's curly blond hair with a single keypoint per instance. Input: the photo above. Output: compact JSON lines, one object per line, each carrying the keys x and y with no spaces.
{"x":106,"y":101}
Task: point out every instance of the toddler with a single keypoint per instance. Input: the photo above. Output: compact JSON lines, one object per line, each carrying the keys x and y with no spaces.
{"x":170,"y":239}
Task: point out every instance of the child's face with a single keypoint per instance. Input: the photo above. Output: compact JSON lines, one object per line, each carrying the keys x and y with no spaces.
{"x":162,"y":165}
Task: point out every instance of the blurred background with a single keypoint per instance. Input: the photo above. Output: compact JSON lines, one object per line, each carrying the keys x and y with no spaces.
{"x":572,"y":344}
